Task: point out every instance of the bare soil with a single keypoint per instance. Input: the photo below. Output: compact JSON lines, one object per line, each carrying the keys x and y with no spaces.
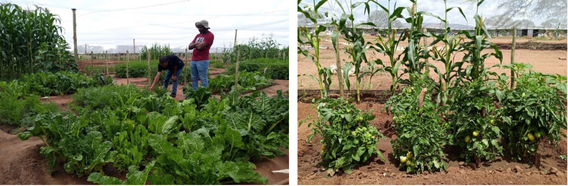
{"x":503,"y":171}
{"x":21,"y":162}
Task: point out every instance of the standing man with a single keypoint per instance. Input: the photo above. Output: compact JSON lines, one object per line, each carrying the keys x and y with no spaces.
{"x":174,"y":65}
{"x":200,"y":59}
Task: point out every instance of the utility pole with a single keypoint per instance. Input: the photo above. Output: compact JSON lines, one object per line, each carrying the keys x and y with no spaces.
{"x":75,"y":35}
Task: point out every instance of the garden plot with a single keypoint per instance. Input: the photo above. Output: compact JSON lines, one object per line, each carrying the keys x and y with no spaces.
{"x":89,"y":103}
{"x":447,"y":103}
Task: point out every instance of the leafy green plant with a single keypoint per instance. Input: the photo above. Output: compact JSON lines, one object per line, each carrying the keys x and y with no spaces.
{"x":348,"y":139}
{"x":263,"y":118}
{"x":82,"y":151}
{"x":535,"y":111}
{"x":195,"y":160}
{"x":21,"y":112}
{"x":419,"y":128}
{"x":132,"y":147}
{"x":248,"y":81}
{"x":133,"y":177}
{"x":63,"y":82}
{"x":175,"y":142}
{"x":273,"y":68}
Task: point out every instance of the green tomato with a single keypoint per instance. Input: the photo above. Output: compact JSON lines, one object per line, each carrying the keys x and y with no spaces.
{"x":537,"y":134}
{"x":475,"y":133}
{"x":408,"y":163}
{"x":409,"y":154}
{"x":409,"y":91}
{"x":353,"y":133}
{"x":467,"y":139}
{"x":523,"y":95}
{"x":492,"y":122}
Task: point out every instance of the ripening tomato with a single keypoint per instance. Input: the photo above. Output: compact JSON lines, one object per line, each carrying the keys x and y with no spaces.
{"x":403,"y":159}
{"x":531,"y":136}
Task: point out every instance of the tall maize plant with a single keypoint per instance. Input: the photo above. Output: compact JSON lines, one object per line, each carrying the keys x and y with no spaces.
{"x":30,"y":41}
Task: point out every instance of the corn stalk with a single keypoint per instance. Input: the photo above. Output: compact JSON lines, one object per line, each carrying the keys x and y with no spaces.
{"x":358,"y":46}
{"x":30,"y":41}
{"x":313,"y":39}
{"x":447,"y":54}
{"x":389,"y":45}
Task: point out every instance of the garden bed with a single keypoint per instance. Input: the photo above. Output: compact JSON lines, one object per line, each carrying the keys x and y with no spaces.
{"x":502,"y":171}
{"x":22,"y":162}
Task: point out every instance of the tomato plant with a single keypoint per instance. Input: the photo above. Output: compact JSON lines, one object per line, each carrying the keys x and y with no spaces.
{"x":348,"y":137}
{"x":473,"y":109}
{"x":419,"y":128}
{"x":535,"y":111}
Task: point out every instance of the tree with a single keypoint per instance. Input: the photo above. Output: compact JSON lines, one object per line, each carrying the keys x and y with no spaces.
{"x":501,"y":22}
{"x":379,"y":18}
{"x":553,"y":24}
{"x":525,"y":23}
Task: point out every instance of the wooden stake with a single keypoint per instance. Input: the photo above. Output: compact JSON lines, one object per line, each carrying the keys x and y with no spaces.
{"x":149,"y":70}
{"x":134,"y":48}
{"x":92,"y":65}
{"x":127,"y":65}
{"x":185,"y":62}
{"x":75,"y":36}
{"x":106,"y":62}
{"x":513,"y":55}
{"x":237,"y":72}
{"x":426,"y":47}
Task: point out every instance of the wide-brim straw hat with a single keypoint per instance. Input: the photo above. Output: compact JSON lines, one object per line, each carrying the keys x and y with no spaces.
{"x":203,"y":23}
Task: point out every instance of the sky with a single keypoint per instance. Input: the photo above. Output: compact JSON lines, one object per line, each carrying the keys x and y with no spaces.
{"x":109,"y":23}
{"x":487,"y":9}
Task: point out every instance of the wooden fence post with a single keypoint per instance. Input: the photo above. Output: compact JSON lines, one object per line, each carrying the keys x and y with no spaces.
{"x":127,"y":66}
{"x":106,"y":62}
{"x":186,"y":66}
{"x":134,"y":48}
{"x":92,"y":65}
{"x":237,"y":72}
{"x":149,"y":70}
{"x":513,"y":55}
